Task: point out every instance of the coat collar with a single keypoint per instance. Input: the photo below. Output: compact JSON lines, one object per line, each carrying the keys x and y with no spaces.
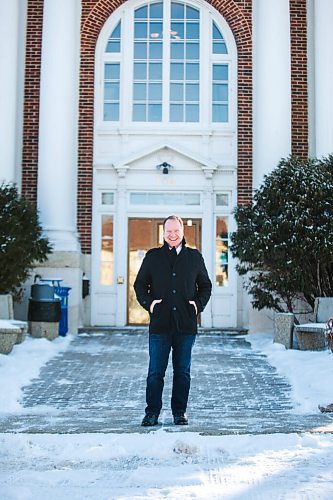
{"x":181,"y":254}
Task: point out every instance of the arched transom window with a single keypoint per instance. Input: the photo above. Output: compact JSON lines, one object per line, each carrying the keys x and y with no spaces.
{"x":165,"y":63}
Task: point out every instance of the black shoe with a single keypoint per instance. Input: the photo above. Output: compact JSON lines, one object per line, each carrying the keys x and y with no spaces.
{"x":180,"y":419}
{"x":149,"y":420}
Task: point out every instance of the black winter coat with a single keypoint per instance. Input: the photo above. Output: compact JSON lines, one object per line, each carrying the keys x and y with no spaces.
{"x":176,"y":284}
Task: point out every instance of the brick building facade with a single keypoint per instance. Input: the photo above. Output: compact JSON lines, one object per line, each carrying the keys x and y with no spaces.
{"x":230,"y":87}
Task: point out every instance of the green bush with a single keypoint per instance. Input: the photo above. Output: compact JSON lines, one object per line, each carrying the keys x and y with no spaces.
{"x":284,"y":237}
{"x":22,"y":244}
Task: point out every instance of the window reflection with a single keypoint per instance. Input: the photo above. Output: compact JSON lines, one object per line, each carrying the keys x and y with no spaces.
{"x":148,"y":56}
{"x":221,"y":251}
{"x":106,"y":256}
{"x":111,"y":91}
{"x":184,"y":63}
{"x":219,"y":45}
{"x":113,"y":44}
{"x":220,"y":93}
{"x":166,"y":44}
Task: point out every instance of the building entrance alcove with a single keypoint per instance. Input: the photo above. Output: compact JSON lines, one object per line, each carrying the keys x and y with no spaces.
{"x":144,"y":234}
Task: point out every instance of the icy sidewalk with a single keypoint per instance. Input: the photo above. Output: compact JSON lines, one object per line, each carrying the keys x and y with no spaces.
{"x":98,"y":385}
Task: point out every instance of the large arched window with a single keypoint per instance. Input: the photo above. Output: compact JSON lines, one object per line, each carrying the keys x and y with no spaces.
{"x":167,"y":63}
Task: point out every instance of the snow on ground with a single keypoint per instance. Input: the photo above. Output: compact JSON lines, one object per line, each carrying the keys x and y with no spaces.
{"x":309,"y":372}
{"x":166,"y":465}
{"x":161,"y":464}
{"x":22,"y":365}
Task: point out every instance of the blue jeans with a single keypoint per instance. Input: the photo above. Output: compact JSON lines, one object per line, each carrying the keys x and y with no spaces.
{"x":159,"y":350}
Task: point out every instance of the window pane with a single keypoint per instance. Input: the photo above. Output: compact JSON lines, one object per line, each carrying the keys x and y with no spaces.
{"x":192,"y":113}
{"x":155,"y":50}
{"x":111,"y":91}
{"x":220,"y":92}
{"x":155,"y":92}
{"x":111,"y":112}
{"x":221,"y":252}
{"x":220,"y":113}
{"x":220,"y":72}
{"x":177,"y":30}
{"x":177,"y":50}
{"x":154,"y":112}
{"x":139,"y":112}
{"x":140,"y":71}
{"x":176,"y":113}
{"x":139,"y":92}
{"x":141,"y":13}
{"x":114,"y":40}
{"x":219,"y":45}
{"x":184,"y":25}
{"x":147,"y":98}
{"x":177,"y":10}
{"x":107,"y":198}
{"x":219,"y":48}
{"x":192,"y":13}
{"x":150,"y":198}
{"x":192,"y":31}
{"x":192,"y":51}
{"x":192,"y":71}
{"x":155,"y":30}
{"x":113,"y":46}
{"x":106,"y":256}
{"x":192,"y":92}
{"x":216,"y":33}
{"x":156,"y":10}
{"x":140,"y":50}
{"x":140,"y":30}
{"x":155,"y":71}
{"x":112,"y":71}
{"x":177,"y":71}
{"x":176,"y":92}
{"x":222,"y":199}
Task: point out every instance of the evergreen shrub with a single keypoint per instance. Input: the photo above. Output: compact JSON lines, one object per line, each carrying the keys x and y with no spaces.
{"x":22,"y":244}
{"x":284,"y":237}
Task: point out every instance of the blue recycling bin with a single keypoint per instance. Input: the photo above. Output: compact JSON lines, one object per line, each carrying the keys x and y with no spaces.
{"x":62,"y":292}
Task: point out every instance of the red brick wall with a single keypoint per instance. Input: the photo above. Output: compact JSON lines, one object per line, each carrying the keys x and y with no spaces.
{"x":299,"y":78}
{"x":94,"y":15}
{"x":238,"y":13}
{"x":31,"y":99}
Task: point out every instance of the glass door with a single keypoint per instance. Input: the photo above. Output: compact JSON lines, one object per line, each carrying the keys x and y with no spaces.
{"x":144,"y":234}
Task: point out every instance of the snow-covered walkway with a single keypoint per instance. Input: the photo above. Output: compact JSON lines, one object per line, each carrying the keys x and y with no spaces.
{"x":70,"y":412}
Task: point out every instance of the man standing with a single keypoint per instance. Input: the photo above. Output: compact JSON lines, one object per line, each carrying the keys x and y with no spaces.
{"x":173,"y":286}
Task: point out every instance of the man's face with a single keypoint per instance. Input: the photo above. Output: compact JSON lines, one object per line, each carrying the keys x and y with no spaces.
{"x":173,"y":233}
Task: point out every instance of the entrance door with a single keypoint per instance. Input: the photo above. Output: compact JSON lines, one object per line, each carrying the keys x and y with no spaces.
{"x":144,"y":234}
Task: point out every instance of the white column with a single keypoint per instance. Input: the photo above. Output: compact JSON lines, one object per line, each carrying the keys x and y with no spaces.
{"x":57,"y":169}
{"x":121,"y":252}
{"x":12,"y":38}
{"x":323,"y":79}
{"x":272,"y":80}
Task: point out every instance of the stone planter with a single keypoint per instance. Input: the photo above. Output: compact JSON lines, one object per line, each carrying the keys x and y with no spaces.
{"x":311,"y":337}
{"x":8,"y":336}
{"x":23,"y":326}
{"x":20,"y":337}
{"x":283,"y":329}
